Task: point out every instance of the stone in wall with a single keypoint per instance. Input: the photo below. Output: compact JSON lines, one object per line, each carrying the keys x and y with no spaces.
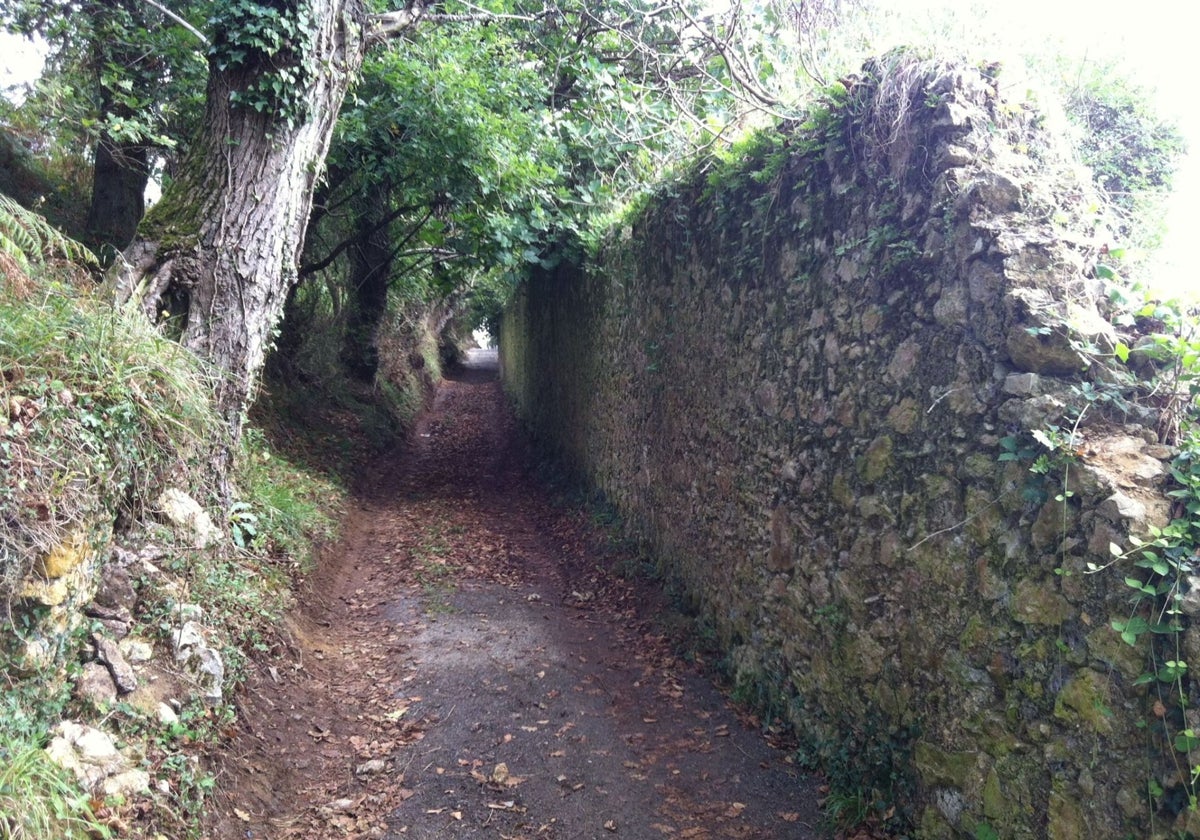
{"x":796,"y":378}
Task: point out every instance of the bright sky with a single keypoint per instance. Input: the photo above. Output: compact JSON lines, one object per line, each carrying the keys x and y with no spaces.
{"x":1156,"y":36}
{"x":22,"y":60}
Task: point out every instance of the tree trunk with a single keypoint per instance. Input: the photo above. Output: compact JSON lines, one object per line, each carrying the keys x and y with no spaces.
{"x":120,"y":170}
{"x":370,"y":264}
{"x":220,"y":249}
{"x":119,"y":177}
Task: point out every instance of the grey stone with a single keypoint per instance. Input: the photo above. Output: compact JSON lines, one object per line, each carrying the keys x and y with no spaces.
{"x":89,"y":753}
{"x":211,"y":671}
{"x":190,"y":635}
{"x":187,"y":612}
{"x":165,"y":714}
{"x":1021,"y":384}
{"x":125,"y":784}
{"x":953,"y":156}
{"x":1118,"y":507}
{"x":108,"y":652}
{"x":95,"y":685}
{"x":371,"y":768}
{"x":188,"y":517}
{"x":116,"y":589}
{"x":136,"y":651}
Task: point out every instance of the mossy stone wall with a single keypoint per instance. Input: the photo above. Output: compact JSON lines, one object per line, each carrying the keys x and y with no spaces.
{"x":795,"y":376}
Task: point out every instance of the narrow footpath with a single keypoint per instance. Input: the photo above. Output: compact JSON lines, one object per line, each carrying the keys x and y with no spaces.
{"x":465,"y":664}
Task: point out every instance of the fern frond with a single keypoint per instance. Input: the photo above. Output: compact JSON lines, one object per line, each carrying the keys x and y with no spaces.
{"x":28,"y":239}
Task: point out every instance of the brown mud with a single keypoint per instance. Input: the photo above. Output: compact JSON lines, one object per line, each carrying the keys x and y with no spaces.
{"x":466,"y":664}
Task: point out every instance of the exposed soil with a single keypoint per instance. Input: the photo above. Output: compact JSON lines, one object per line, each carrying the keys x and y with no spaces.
{"x":466,"y":664}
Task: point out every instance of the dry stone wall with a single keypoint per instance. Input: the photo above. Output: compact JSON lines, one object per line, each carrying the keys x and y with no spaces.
{"x":797,"y":377}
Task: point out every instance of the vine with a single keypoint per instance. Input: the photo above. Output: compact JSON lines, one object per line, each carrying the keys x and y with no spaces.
{"x":272,"y":44}
{"x":1161,"y":370}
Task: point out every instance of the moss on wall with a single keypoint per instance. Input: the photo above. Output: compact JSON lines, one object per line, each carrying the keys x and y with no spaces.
{"x":795,"y":375}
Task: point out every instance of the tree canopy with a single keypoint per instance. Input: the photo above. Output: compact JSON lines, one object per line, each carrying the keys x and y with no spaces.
{"x":423,"y":152}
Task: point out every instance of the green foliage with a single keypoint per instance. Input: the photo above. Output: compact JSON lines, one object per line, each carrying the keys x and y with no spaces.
{"x":28,"y":240}
{"x":1133,"y":153}
{"x":869,"y":772}
{"x":117,"y":69}
{"x":38,"y":799}
{"x":268,"y":48}
{"x":97,"y":409}
{"x":287,"y":510}
{"x":1159,"y":569}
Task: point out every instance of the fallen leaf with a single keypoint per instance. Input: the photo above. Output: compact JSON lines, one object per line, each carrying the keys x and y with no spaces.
{"x":241,"y":815}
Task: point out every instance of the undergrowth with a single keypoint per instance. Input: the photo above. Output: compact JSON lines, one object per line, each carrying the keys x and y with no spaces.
{"x":98,"y":411}
{"x":38,"y":799}
{"x":98,"y":414}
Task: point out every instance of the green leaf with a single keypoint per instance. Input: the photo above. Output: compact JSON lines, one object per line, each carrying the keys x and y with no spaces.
{"x":1134,"y":583}
{"x":1186,"y":741}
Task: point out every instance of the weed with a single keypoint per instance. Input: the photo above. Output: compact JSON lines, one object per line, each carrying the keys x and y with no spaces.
{"x":39,"y":799}
{"x":98,"y":410}
{"x":288,"y":510}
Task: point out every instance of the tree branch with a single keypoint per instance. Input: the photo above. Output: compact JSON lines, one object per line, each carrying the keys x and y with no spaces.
{"x":313,"y":267}
{"x":178,"y":20}
{"x":392,"y":24}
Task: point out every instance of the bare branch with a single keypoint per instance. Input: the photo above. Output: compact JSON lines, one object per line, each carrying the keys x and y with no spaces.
{"x":178,"y":20}
{"x":392,"y":24}
{"x":320,"y":265}
{"x":737,"y":72}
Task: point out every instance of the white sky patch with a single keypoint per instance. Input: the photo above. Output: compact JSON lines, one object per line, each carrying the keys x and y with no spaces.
{"x":21,"y":64}
{"x":1156,"y":41}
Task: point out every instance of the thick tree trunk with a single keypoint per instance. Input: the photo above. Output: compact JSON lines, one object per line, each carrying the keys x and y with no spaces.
{"x":221,"y":247}
{"x":370,"y":262}
{"x":119,"y":177}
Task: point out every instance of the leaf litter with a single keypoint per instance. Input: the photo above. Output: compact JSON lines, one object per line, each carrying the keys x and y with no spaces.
{"x":468,"y":625}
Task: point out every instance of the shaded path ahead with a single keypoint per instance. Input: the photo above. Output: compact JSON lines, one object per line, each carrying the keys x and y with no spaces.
{"x":467,"y":666}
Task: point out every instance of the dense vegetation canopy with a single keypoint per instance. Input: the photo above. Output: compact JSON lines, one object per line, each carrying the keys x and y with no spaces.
{"x":343,"y":192}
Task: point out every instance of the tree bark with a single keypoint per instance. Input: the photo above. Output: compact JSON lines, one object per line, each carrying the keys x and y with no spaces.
{"x":119,"y":177}
{"x":220,"y":249}
{"x":370,"y":264}
{"x":120,"y":170}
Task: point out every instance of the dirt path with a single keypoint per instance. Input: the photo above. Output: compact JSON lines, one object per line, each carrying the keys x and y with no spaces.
{"x":467,"y":666}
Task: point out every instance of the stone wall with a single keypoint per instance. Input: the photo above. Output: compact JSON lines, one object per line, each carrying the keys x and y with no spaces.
{"x":806,"y":380}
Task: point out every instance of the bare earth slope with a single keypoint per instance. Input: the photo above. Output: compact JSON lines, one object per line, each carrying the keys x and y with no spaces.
{"x":466,"y":666}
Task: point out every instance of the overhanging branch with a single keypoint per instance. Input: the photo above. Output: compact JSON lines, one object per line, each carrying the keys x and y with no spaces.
{"x":178,"y":20}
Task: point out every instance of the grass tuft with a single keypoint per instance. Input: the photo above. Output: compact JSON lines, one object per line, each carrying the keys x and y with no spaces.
{"x":97,"y":412}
